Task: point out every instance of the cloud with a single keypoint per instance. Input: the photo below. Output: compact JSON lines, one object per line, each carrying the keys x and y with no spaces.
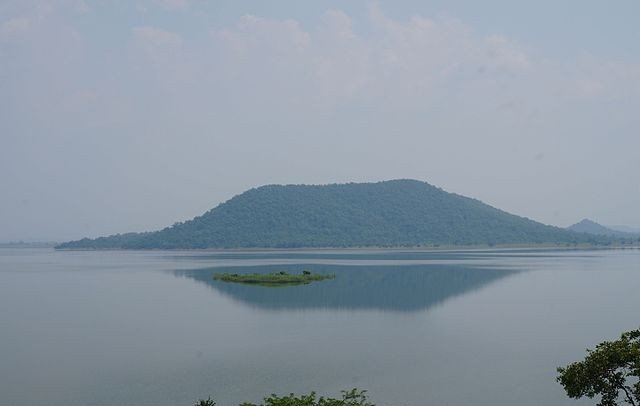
{"x":400,"y":62}
{"x":173,"y":4}
{"x":604,"y":80}
{"x":162,"y":58}
{"x":159,"y":45}
{"x":503,"y":53}
{"x":339,"y":25}
{"x":277,"y":36}
{"x":150,"y":37}
{"x":81,"y":6}
{"x":14,"y":27}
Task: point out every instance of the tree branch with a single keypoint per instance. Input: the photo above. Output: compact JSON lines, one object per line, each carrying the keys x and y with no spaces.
{"x":629,"y":398}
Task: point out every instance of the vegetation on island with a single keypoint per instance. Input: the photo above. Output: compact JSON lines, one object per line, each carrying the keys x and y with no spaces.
{"x":272,"y":279}
{"x":398,"y":213}
{"x":611,"y":371}
{"x":353,"y":397}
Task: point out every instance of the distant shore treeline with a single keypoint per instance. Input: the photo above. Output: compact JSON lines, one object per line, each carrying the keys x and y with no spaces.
{"x":398,"y":213}
{"x":23,"y":244}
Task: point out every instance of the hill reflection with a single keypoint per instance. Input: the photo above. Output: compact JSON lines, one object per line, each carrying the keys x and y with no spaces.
{"x":392,"y":288}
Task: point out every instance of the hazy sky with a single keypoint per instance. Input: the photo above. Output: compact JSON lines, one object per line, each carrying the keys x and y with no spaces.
{"x":130,"y":115}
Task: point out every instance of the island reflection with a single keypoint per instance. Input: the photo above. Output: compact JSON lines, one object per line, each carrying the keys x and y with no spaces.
{"x":403,"y":288}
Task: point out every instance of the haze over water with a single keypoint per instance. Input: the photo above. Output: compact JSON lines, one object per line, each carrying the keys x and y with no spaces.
{"x":413,"y":327}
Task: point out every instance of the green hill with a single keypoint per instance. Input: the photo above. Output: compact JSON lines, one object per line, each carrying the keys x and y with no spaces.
{"x":391,"y":213}
{"x":591,"y":227}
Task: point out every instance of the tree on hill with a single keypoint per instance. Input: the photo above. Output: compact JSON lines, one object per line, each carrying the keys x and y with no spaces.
{"x":611,"y":371}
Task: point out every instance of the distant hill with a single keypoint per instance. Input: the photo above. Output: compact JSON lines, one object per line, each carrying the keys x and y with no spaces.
{"x":625,"y":229}
{"x":390,"y":213}
{"x":23,"y":244}
{"x":591,"y":227}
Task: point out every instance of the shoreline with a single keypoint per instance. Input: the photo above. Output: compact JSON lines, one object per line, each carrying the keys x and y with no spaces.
{"x":440,"y":248}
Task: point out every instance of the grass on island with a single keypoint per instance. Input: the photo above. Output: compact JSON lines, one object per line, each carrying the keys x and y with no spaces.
{"x":272,"y":279}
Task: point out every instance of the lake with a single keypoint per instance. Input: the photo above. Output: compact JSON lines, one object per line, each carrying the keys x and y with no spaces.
{"x":487,"y":327}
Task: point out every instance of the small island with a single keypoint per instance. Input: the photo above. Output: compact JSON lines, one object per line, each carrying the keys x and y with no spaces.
{"x":272,"y":279}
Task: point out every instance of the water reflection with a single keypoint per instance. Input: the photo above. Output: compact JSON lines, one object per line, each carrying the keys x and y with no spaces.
{"x":393,"y":288}
{"x":374,"y":254}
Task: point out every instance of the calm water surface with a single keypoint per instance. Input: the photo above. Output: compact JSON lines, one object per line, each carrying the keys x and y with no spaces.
{"x":412,"y":327}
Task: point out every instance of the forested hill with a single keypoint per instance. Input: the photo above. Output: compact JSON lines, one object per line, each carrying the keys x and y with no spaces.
{"x":591,"y":227}
{"x":390,"y":213}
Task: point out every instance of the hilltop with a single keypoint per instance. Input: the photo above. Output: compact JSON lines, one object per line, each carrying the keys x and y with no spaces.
{"x":591,"y":227}
{"x":389,"y":213}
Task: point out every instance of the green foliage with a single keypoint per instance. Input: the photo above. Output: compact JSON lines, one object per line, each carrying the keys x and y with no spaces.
{"x":353,"y":397}
{"x":392,"y":213}
{"x":275,"y":278}
{"x":206,"y":402}
{"x":611,"y":370}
